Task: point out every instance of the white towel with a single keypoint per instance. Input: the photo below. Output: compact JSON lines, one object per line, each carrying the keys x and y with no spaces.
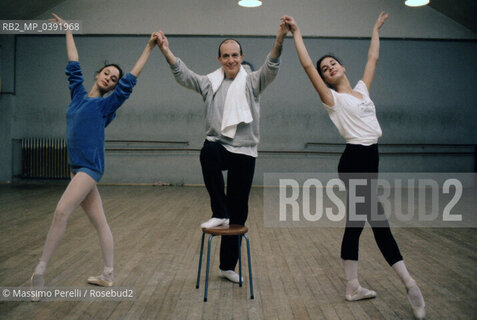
{"x":236,"y":107}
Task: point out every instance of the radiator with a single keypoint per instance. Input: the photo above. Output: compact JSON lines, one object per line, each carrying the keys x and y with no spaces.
{"x":44,"y":159}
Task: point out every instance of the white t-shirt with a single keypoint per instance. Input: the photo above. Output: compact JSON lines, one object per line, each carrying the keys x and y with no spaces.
{"x":355,"y":118}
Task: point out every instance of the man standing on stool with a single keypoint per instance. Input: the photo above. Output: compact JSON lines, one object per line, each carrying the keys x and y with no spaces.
{"x":232,"y":98}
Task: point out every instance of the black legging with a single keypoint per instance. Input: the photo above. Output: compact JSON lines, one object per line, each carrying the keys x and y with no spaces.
{"x":234,"y":205}
{"x":361,"y":162}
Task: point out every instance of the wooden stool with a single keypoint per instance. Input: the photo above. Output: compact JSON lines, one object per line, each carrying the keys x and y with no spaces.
{"x":232,"y":230}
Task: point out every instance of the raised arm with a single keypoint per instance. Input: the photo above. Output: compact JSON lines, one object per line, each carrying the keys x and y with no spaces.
{"x":141,"y":62}
{"x":261,"y":78}
{"x":70,"y":42}
{"x":373,"y":53}
{"x":183,"y":75}
{"x":320,"y":86}
{"x":163,"y":45}
{"x":278,"y":45}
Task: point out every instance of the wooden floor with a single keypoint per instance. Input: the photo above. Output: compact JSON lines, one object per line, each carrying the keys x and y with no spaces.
{"x":297,"y":271}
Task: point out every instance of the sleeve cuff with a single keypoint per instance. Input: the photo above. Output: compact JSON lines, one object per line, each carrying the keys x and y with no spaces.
{"x":335,"y":99}
{"x":127,"y":82}
{"x":274,"y":60}
{"x":72,"y":66}
{"x":73,"y":63}
{"x":130,"y":78}
{"x":175,"y":66}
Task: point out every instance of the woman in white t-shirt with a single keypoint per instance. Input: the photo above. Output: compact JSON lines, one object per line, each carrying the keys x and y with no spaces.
{"x":354,"y":115}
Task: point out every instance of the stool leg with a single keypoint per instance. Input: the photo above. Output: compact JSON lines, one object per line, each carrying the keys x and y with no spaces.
{"x":200,"y":260}
{"x":240,"y":259}
{"x":249,"y":267}
{"x":207,"y":269}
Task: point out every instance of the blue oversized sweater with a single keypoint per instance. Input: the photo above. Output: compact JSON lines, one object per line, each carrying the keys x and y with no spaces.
{"x":86,"y":119}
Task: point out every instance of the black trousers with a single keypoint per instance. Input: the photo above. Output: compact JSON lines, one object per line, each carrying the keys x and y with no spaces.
{"x":214,"y":158}
{"x":361,"y":162}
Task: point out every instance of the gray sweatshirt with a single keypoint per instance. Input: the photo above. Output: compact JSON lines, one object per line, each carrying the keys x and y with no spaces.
{"x":247,"y":134}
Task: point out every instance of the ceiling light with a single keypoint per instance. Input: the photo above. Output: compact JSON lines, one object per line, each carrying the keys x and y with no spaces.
{"x":416,"y":3}
{"x":250,"y":3}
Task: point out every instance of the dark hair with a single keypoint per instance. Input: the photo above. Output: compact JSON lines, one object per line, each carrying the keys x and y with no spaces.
{"x":318,"y":63}
{"x":227,"y":40}
{"x":112,"y":65}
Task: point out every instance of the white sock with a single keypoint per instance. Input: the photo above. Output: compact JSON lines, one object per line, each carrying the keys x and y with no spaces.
{"x":354,"y":291}
{"x":413,"y":293}
{"x":108,"y":273}
{"x":40,"y":268}
{"x":37,"y":279}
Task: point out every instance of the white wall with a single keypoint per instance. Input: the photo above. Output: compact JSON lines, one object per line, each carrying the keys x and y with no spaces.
{"x":416,"y":102}
{"x":7,"y":104}
{"x":323,"y":18}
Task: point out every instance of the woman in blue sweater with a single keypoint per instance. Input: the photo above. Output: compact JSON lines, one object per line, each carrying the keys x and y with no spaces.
{"x":86,"y":118}
{"x":354,"y":114}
